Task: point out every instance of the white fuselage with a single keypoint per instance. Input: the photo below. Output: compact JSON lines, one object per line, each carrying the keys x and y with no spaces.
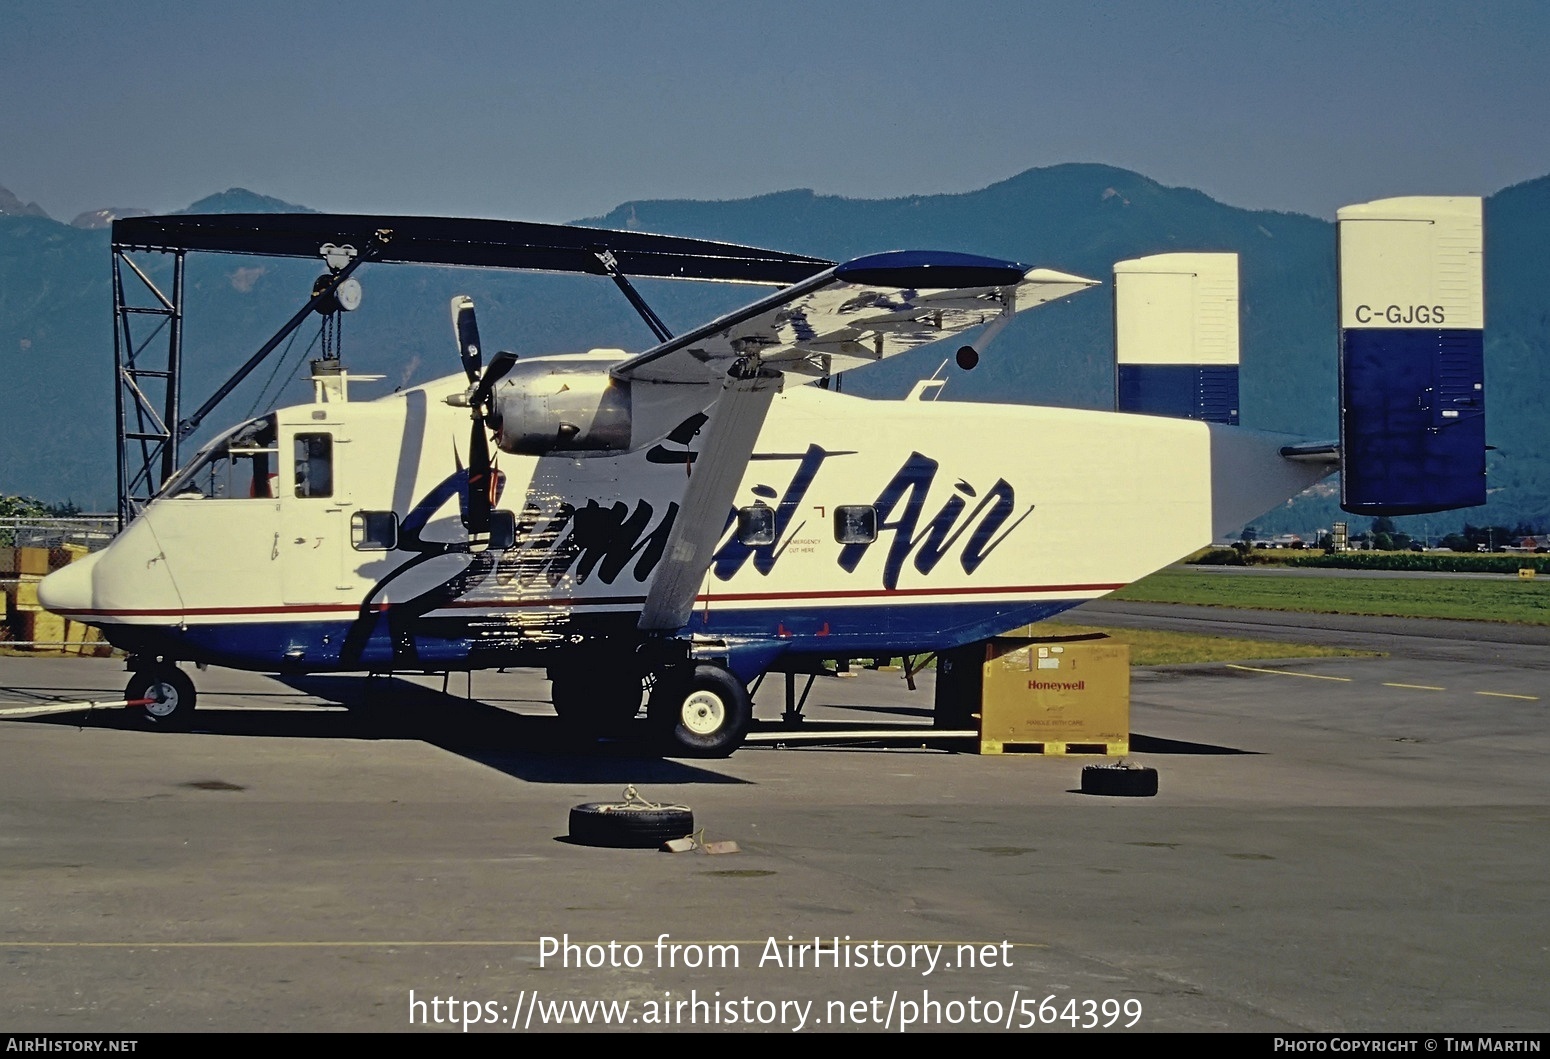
{"x":987,"y":517}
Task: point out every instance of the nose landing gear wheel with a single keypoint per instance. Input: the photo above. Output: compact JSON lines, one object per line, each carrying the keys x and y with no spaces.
{"x":704,"y":713}
{"x":171,"y":692}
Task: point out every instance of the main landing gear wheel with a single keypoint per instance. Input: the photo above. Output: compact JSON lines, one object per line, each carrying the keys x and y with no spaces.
{"x":704,"y":712}
{"x":597,"y":703}
{"x":171,"y":692}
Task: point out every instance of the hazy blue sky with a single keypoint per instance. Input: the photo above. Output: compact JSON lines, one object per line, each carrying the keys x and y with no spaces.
{"x":551,"y":111}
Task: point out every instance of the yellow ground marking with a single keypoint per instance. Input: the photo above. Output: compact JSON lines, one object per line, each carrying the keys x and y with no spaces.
{"x":1386,"y":683}
{"x":1287,"y":673}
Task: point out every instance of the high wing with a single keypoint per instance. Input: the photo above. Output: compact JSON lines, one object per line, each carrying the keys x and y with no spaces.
{"x":855,"y":313}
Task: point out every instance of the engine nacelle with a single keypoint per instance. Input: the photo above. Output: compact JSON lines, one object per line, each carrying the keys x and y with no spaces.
{"x":561,"y":405}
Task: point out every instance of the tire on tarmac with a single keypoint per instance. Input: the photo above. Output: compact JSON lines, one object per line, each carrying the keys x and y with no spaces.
{"x":704,"y":712}
{"x":1121,"y":781}
{"x":173,"y":693}
{"x":622,"y":826}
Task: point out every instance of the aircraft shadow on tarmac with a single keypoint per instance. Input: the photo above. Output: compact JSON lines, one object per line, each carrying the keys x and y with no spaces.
{"x":1152,"y":744}
{"x":537,"y":749}
{"x":896,"y":711}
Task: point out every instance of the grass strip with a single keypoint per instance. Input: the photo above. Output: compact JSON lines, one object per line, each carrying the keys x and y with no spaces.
{"x":1523,"y":602}
{"x":1154,"y":647}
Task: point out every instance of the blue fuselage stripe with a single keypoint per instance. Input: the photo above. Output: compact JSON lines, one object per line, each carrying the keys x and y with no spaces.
{"x":373,"y":642}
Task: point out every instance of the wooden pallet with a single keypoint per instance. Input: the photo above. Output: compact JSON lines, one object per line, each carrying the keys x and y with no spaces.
{"x":995,"y":746}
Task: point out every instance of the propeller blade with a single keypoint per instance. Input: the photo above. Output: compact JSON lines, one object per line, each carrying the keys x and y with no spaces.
{"x":500,"y":364}
{"x":479,"y":479}
{"x":465,"y":327}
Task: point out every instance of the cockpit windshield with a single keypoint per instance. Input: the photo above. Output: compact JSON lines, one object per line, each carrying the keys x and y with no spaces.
{"x":239,"y":464}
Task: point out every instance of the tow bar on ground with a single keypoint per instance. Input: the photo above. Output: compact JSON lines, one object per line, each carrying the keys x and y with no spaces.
{"x":68,"y":707}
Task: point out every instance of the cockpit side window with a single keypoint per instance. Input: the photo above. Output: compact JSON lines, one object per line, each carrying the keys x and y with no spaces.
{"x":314,"y":465}
{"x":239,"y":464}
{"x":260,"y":448}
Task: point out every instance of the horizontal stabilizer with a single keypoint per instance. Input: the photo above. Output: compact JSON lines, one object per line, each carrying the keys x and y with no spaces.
{"x":1176,"y":336}
{"x":1412,"y":356}
{"x":1320,"y":452}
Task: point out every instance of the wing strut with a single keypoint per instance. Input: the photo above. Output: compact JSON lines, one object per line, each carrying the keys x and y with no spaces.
{"x":731,"y":368}
{"x":735,"y":421}
{"x":611,"y":266}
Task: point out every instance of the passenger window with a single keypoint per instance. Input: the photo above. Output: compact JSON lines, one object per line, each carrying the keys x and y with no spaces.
{"x":314,"y":465}
{"x":374,"y":531}
{"x":855,"y":524}
{"x":756,"y":524}
{"x":503,"y":531}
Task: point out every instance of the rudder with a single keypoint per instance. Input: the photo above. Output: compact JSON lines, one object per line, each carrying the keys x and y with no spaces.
{"x":1412,"y":356}
{"x":1176,"y":336}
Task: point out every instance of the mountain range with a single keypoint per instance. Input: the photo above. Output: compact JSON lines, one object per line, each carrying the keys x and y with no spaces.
{"x":56,"y":315}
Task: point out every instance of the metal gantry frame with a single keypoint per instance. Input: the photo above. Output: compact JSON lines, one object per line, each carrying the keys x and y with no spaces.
{"x":146,"y":391}
{"x":157,"y":435}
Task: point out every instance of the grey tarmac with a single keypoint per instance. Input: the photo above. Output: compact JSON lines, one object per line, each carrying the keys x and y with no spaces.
{"x":1338,"y":844}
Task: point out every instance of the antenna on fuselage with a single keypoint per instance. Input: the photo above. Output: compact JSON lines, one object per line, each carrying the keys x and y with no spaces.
{"x":931,"y":384}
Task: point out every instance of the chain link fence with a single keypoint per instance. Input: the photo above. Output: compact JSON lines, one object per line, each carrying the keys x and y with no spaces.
{"x":30,"y":548}
{"x":90,"y":531}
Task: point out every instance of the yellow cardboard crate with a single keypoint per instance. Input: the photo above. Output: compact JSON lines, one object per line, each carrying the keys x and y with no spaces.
{"x":85,"y":640}
{"x":27,"y":594}
{"x":48,"y":629}
{"x":1061,"y":697}
{"x":32,"y":561}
